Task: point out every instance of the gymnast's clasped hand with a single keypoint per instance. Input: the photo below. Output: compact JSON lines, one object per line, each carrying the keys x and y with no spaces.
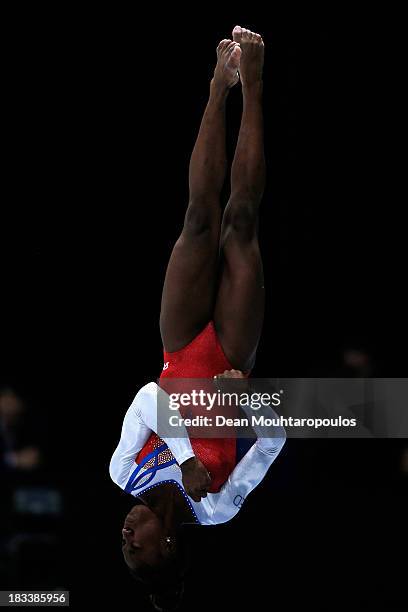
{"x":196,"y":479}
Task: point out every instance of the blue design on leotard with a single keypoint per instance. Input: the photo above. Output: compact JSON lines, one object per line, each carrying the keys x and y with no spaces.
{"x":135,"y":477}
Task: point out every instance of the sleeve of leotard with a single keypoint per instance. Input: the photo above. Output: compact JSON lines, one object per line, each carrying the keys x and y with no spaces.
{"x":139,"y":422}
{"x":252,"y":468}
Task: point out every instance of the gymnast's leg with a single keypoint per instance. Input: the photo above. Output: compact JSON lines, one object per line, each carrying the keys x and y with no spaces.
{"x":190,"y":282}
{"x":239,"y":306}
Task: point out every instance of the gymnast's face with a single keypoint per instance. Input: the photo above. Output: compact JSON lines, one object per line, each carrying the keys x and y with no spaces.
{"x":143,"y":539}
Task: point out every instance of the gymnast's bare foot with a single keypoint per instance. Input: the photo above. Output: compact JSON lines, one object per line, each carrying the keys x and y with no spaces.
{"x":226,"y":70}
{"x":252,"y":57}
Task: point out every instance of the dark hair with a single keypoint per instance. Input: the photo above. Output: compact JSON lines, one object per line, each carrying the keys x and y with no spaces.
{"x":164,"y":592}
{"x":164,"y":586}
{"x":169,"y":600}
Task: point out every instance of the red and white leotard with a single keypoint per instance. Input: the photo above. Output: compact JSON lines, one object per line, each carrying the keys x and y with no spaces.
{"x":143,"y":460}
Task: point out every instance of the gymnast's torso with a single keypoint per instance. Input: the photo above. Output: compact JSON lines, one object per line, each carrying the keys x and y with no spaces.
{"x":143,"y":460}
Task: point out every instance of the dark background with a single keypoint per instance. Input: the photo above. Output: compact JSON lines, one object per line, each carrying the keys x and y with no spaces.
{"x":103,"y":113}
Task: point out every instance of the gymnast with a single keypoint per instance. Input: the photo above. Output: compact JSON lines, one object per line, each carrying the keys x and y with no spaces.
{"x":210,"y":322}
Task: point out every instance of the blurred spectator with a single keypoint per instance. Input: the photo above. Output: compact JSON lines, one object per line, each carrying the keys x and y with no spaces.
{"x":357,"y":362}
{"x":19,"y":438}
{"x":404,"y":461}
